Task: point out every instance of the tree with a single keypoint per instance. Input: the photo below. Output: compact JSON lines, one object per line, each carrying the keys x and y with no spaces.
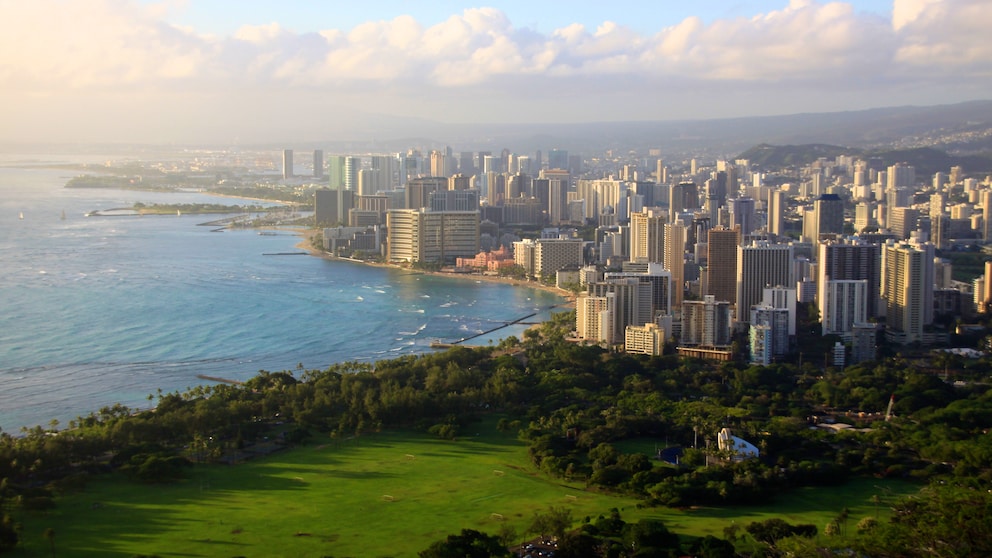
{"x":650,"y":534}
{"x":468,"y":544}
{"x":556,"y":521}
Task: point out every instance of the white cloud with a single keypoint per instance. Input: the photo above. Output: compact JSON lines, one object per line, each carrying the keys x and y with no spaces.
{"x":55,"y":49}
{"x":944,"y":38}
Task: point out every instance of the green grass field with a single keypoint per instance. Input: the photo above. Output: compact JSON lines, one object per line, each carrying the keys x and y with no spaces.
{"x":390,"y":494}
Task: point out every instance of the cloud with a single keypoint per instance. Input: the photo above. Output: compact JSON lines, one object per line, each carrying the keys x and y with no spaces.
{"x":943,"y":38}
{"x":109,"y":49}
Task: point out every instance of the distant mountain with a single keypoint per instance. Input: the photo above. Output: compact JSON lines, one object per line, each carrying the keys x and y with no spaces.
{"x":778,"y":156}
{"x":926,"y":160}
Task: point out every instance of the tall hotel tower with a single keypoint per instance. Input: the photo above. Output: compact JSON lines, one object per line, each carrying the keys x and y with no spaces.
{"x":287,"y":163}
{"x":647,"y":236}
{"x":761,"y":265}
{"x":674,"y":260}
{"x":722,"y":263}
{"x":907,"y":287}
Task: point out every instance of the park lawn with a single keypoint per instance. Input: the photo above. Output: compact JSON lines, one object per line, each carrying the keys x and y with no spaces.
{"x":388,"y":494}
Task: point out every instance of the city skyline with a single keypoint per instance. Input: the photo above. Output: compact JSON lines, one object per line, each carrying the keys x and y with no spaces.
{"x":208,"y":72}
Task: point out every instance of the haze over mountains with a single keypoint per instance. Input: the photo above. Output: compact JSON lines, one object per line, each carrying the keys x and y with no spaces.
{"x":963,"y":129}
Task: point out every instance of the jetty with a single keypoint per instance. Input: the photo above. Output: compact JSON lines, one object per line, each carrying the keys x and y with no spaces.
{"x":439,"y":344}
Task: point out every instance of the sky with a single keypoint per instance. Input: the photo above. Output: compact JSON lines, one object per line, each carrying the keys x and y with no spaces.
{"x":204,"y":71}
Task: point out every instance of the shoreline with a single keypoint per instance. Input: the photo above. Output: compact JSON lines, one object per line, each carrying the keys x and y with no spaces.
{"x":568,"y":297}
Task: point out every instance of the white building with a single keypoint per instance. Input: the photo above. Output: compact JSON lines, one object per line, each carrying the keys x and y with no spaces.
{"x":648,"y":339}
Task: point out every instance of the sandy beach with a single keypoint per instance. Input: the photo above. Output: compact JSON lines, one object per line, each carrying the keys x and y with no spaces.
{"x":569,"y":296}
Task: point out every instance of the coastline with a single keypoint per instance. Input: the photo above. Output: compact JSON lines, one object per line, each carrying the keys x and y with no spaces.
{"x":567,"y":296}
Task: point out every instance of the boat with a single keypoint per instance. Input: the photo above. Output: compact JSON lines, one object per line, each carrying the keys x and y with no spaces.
{"x":20,"y":215}
{"x":179,"y":213}
{"x":63,"y":215}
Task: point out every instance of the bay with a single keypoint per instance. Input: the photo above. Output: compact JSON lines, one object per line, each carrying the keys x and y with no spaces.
{"x":102,"y":310}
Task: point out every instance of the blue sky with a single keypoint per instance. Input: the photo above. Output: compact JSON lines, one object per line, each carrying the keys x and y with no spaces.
{"x":641,"y":15}
{"x":187,"y":70}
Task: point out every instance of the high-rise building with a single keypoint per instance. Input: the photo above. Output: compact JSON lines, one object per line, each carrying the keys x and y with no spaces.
{"x":660,"y":280}
{"x":454,"y":200}
{"x":761,"y":344}
{"x":545,"y":256}
{"x":761,"y":265}
{"x":843,"y":303}
{"x":438,"y":163}
{"x":331,"y":207}
{"x":335,"y":172}
{"x":863,"y":342}
{"x":421,"y":235}
{"x":419,"y":190}
{"x":684,"y":197}
{"x":903,"y":221}
{"x":558,"y":159}
{"x":594,"y":317}
{"x":742,"y":215}
{"x":722,"y":263}
{"x":385,"y":172}
{"x":634,"y":301}
{"x":558,"y":181}
{"x":776,"y":212}
{"x":907,"y":287}
{"x":829,"y":212}
{"x":987,"y":216}
{"x":782,"y":297}
{"x":351,"y":167}
{"x":851,"y":260}
{"x":318,"y":163}
{"x":705,"y":323}
{"x":287,"y":163}
{"x":674,"y":260}
{"x":863,"y":217}
{"x":600,"y":194}
{"x":647,"y":236}
{"x":776,"y":340}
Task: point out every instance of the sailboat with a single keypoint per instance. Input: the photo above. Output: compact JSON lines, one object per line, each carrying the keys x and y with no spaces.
{"x":21,"y":215}
{"x":63,"y":215}
{"x":179,"y":213}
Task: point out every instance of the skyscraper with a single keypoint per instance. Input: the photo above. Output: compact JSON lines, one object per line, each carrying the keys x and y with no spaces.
{"x":907,"y":287}
{"x":438,"y":163}
{"x":287,"y":163}
{"x":987,"y":216}
{"x":685,"y":196}
{"x":421,"y":235}
{"x":705,"y":323}
{"x":742,"y":215}
{"x":674,"y":260}
{"x":558,"y":159}
{"x":761,"y":265}
{"x":647,"y":236}
{"x":829,"y":211}
{"x":843,"y":303}
{"x":558,"y":181}
{"x":318,"y":163}
{"x":418,"y":190}
{"x":851,"y":260}
{"x":722,"y":263}
{"x":776,"y":212}
{"x":351,"y":167}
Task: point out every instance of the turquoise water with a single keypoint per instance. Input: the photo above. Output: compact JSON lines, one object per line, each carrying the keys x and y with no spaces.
{"x":100,"y":310}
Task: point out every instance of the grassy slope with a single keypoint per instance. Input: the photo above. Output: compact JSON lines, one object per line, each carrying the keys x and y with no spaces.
{"x":391,"y":494}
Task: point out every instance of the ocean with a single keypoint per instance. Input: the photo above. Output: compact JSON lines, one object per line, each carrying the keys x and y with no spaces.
{"x":102,"y":310}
